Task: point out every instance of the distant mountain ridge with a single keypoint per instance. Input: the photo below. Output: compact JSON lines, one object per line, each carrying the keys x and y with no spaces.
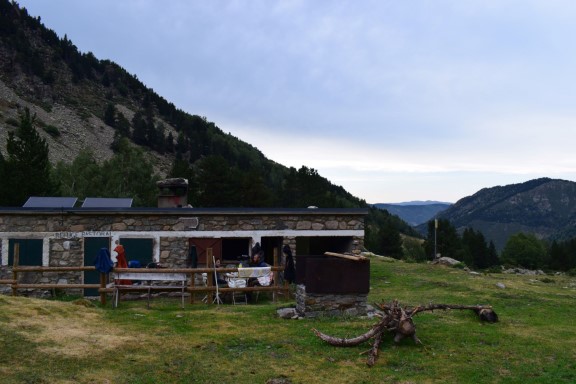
{"x":544,"y":207}
{"x":416,"y":212}
{"x":419,"y":202}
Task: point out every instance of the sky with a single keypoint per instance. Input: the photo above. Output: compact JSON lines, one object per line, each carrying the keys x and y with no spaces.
{"x":394,"y":100}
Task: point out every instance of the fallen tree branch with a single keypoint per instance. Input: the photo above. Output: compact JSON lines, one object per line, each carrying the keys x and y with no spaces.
{"x":374,"y":350}
{"x":343,"y":342}
{"x":485,"y":312}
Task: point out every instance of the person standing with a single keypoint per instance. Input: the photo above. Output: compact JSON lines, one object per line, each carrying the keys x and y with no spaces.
{"x":289,"y":269}
{"x":121,"y":261}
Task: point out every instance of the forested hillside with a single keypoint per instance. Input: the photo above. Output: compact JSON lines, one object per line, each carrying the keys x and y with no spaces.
{"x":543,"y":207}
{"x":530,"y":224}
{"x":49,"y":74}
{"x":93,"y":129}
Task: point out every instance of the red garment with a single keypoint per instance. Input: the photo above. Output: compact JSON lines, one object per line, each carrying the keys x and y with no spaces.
{"x":121,"y":263}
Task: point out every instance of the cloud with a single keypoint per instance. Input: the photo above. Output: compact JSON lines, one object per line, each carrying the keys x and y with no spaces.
{"x":389,"y":98}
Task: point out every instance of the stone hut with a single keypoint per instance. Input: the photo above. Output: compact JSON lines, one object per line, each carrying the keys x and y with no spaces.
{"x":175,"y":237}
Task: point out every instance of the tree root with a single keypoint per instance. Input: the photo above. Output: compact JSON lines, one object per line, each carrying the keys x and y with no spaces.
{"x":398,"y":321}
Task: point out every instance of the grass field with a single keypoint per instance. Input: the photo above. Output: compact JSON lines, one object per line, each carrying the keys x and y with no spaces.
{"x":535,"y":341}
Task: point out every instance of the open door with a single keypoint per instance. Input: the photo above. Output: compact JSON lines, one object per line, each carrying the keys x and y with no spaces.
{"x":269,"y":245}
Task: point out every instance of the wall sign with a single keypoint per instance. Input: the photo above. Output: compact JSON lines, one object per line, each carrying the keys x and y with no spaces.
{"x":76,"y":235}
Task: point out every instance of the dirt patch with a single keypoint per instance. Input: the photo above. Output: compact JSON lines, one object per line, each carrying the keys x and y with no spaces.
{"x":61,"y":328}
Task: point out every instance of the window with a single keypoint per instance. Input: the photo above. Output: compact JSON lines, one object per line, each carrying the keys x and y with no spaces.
{"x":30,"y":251}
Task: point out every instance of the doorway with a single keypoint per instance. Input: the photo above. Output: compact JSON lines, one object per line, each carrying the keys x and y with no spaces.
{"x":92,"y":246}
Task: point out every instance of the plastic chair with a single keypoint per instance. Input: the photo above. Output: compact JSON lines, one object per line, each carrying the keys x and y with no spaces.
{"x":235,"y":282}
{"x":264,"y":281}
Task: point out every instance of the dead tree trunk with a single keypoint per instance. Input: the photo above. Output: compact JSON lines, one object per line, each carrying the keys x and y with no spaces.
{"x":398,"y":321}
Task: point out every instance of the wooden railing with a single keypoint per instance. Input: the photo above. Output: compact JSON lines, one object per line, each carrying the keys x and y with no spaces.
{"x":103,"y":288}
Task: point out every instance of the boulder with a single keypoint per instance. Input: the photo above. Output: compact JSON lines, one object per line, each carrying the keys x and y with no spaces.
{"x":287,"y":313}
{"x":446,"y":261}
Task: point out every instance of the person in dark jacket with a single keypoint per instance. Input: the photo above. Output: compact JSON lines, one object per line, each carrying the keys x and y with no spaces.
{"x":289,"y":269}
{"x":218,"y":279}
{"x":257,"y":261}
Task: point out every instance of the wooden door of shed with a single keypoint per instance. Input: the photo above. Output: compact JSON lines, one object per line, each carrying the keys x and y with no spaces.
{"x":202,"y":244}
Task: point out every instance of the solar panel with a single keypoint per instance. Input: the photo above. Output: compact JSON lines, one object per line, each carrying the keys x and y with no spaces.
{"x":50,"y":202}
{"x":107,"y":202}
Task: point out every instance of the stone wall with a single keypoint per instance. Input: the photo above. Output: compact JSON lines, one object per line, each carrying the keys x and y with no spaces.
{"x":314,"y":304}
{"x":63,"y":232}
{"x":173,"y":252}
{"x":81,"y":223}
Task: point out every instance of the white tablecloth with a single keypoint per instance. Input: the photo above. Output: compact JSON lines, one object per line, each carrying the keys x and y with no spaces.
{"x":254,"y":272}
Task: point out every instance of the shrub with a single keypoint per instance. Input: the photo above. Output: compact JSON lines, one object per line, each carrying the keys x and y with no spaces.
{"x":459,"y":266}
{"x":52,"y":130}
{"x":12,"y":121}
{"x":547,"y":280}
{"x":493,"y":269}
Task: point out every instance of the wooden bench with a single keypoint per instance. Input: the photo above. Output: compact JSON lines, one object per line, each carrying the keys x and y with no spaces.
{"x":146,"y":280}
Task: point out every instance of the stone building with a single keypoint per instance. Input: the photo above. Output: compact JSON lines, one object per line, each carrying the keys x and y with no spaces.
{"x":170,"y":236}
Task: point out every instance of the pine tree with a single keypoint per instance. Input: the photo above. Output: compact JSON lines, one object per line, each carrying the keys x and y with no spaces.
{"x":139,"y":129}
{"x":390,"y":241}
{"x":27,"y":169}
{"x":110,"y":115}
{"x":445,"y":241}
{"x":130,"y":174}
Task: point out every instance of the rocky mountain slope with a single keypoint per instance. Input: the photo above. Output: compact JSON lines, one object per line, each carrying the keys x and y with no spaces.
{"x":82,"y":102}
{"x":544,"y":207}
{"x":66,"y":89}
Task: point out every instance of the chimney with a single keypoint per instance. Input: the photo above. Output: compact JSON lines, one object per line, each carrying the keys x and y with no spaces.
{"x":173,"y":193}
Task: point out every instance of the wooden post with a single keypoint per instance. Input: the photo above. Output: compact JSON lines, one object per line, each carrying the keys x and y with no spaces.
{"x":102,"y":287}
{"x":277,"y":262}
{"x":15,"y":264}
{"x":210,"y":275}
{"x":192,"y":285}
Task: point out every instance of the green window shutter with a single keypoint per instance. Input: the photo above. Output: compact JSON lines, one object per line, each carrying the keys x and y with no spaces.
{"x":30,"y":251}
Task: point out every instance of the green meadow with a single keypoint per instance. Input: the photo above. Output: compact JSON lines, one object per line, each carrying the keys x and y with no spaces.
{"x":76,"y":341}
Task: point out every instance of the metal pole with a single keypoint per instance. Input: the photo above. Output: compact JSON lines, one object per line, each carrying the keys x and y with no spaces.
{"x":435,"y":230}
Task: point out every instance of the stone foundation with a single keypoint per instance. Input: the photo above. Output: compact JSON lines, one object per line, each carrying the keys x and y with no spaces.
{"x":315,"y":304}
